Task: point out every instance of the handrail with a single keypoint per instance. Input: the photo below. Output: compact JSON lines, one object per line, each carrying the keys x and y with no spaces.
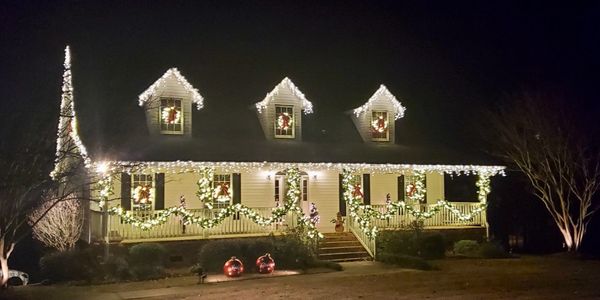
{"x":367,"y":242}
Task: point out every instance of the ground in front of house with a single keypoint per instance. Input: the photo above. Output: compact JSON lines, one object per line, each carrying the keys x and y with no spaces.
{"x":548,"y":277}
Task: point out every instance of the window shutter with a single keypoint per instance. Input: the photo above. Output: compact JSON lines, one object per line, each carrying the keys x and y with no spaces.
{"x":126,"y":191}
{"x":401,"y":191}
{"x":425,"y":185}
{"x":237,"y":187}
{"x":342,"y":202}
{"x":367,"y":189}
{"x":159,"y":189}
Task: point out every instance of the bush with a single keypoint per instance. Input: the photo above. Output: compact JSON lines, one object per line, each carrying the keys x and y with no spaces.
{"x":469,"y":248}
{"x":432,"y":246}
{"x":289,"y":252}
{"x":147,"y":261}
{"x":71,"y":265}
{"x":492,"y":250}
{"x":405,"y":261}
{"x":116,"y":268}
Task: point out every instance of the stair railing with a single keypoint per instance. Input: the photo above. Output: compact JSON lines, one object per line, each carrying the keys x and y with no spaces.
{"x":365,"y":241}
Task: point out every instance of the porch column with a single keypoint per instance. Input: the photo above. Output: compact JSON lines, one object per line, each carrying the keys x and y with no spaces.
{"x":483,"y":183}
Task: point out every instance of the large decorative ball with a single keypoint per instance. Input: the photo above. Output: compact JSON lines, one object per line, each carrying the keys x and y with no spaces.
{"x":233,"y":267}
{"x":265,"y":264}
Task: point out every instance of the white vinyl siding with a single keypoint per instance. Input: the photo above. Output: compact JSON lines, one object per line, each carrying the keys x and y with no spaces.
{"x":268,"y":116}
{"x":170,"y":89}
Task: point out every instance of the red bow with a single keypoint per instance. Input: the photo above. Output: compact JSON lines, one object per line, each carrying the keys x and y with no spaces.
{"x":357,"y":191}
{"x":172,"y":115}
{"x":224,"y":190}
{"x":285,"y":120}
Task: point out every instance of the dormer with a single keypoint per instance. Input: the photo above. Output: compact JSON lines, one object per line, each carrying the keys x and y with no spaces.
{"x":375,"y":119}
{"x":280,"y":112}
{"x":168,"y":105}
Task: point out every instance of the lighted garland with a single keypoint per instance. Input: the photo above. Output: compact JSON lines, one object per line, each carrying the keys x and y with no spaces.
{"x":105,"y":188}
{"x":362,"y":214}
{"x":188,"y":218}
{"x":205,"y":191}
{"x":170,"y":115}
{"x":419,"y":185}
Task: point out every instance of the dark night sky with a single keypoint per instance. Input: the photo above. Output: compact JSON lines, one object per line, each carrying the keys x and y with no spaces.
{"x":445,"y":60}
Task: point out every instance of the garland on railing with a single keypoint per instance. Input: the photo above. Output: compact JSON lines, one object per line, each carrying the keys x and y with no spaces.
{"x":205,"y":190}
{"x":188,"y":218}
{"x":368,"y":213}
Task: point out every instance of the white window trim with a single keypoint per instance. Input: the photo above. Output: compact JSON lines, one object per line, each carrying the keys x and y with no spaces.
{"x":230,"y":190}
{"x":160,"y":120}
{"x":278,"y":136}
{"x":387,"y":132}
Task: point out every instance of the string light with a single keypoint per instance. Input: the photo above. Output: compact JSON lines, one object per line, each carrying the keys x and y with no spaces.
{"x":382,"y":92}
{"x":148,"y":93}
{"x":285,"y":83}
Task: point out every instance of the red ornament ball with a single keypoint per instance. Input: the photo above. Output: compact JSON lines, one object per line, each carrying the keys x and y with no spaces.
{"x":233,"y":267}
{"x":265,"y":264}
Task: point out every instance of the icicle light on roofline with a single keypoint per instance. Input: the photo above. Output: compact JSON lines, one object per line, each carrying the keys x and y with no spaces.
{"x":192,"y":166}
{"x":286,"y":82}
{"x":147,"y":94}
{"x":67,"y":123}
{"x":382,"y":91}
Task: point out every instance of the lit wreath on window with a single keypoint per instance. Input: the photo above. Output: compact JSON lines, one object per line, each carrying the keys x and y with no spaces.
{"x":170,"y":115}
{"x":142,"y":195}
{"x":284,"y":121}
{"x":380,"y":125}
{"x":221,"y":193}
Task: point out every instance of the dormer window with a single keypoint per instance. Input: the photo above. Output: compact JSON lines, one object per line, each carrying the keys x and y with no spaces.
{"x":379,"y":126}
{"x":284,"y":122}
{"x":171,"y":116}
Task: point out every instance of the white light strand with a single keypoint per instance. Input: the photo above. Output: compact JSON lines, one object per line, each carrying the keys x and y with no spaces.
{"x":285,"y":83}
{"x":175,"y":167}
{"x":147,"y":94}
{"x":382,"y":92}
{"x":67,"y":122}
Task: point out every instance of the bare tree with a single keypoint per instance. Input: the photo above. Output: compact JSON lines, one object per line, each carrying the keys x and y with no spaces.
{"x":61,"y":226}
{"x":539,"y":136}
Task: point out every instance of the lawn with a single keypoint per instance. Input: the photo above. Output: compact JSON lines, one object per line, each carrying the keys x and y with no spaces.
{"x":531,"y":277}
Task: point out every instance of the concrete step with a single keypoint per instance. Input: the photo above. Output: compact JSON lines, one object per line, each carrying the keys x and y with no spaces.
{"x":339,"y":244}
{"x":343,"y":255}
{"x":356,"y":248}
{"x":351,"y":259}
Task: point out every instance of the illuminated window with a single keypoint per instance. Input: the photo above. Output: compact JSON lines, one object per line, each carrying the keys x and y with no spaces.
{"x":171,"y":116}
{"x":379,"y":126}
{"x":223,"y":193}
{"x":142,"y":192}
{"x":284,"y":122}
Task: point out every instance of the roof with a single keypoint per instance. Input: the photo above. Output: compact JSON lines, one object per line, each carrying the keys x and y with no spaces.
{"x":286,"y":83}
{"x":150,"y":91}
{"x":113,"y":127}
{"x":382,"y":91}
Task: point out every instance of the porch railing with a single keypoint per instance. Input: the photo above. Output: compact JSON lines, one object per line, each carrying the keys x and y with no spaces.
{"x":367,"y":242}
{"x":443,"y":218}
{"x":174,"y":227}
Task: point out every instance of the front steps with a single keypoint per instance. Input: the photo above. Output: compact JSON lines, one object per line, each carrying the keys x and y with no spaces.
{"x":341,"y":247}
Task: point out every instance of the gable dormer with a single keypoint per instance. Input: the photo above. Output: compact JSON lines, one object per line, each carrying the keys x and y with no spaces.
{"x":375,"y":119}
{"x":168,"y":105}
{"x":280,"y":112}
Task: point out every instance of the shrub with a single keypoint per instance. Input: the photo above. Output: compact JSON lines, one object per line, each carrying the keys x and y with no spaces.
{"x":147,"y":260}
{"x":397,"y":242}
{"x":468,"y":248}
{"x":405,"y":261}
{"x":492,"y":250}
{"x":291,"y":253}
{"x":432,"y":246}
{"x":116,"y":268}
{"x":71,"y":265}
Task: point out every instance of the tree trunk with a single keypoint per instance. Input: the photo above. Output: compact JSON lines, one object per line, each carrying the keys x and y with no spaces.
{"x":4,"y":262}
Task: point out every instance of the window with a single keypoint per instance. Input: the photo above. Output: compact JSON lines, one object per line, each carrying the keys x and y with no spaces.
{"x":284,"y":122}
{"x":356,"y":186}
{"x":171,"y":116}
{"x":379,"y":126}
{"x":222,"y":190}
{"x":142,"y":190}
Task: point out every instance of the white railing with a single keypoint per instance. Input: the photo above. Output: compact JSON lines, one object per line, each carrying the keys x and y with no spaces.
{"x":174,"y":227}
{"x":443,"y":218}
{"x":368,"y":243}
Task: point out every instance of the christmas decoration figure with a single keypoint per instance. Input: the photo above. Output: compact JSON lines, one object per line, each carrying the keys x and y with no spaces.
{"x":314,"y":214}
{"x":265,"y":264}
{"x":411,"y":189}
{"x":284,"y":121}
{"x":182,"y":206}
{"x":388,"y":199}
{"x":357,"y":191}
{"x":233,"y":267}
{"x":171,"y":115}
{"x":379,"y":125}
{"x":339,"y":222}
